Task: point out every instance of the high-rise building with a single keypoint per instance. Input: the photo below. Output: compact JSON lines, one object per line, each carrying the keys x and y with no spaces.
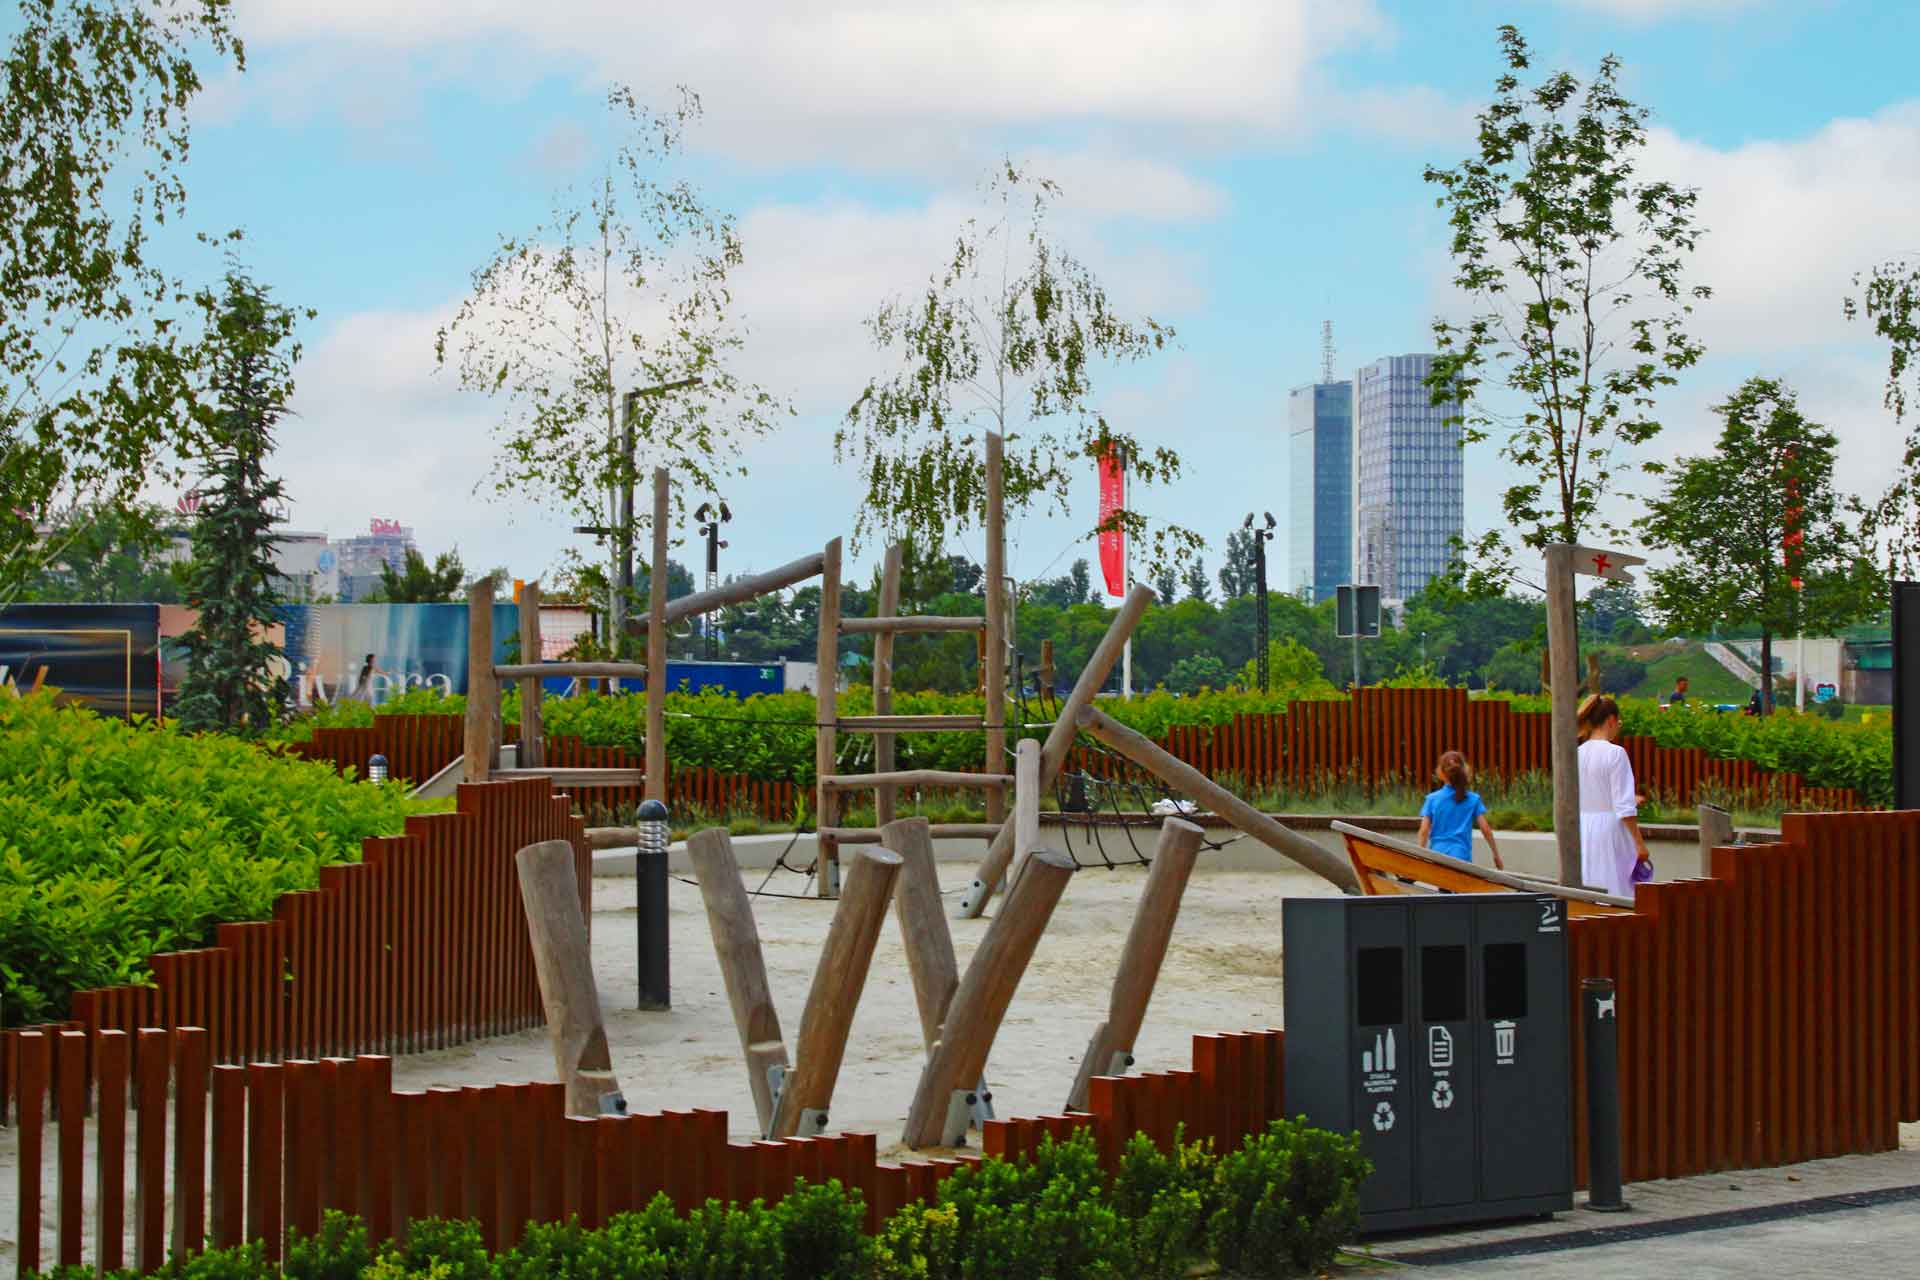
{"x":1409,"y":494}
{"x":1320,"y":545}
{"x":358,"y":560}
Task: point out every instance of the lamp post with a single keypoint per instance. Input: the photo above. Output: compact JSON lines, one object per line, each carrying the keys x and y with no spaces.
{"x":377,"y":770}
{"x":714,"y":515}
{"x":650,"y":903}
{"x":1260,"y":622}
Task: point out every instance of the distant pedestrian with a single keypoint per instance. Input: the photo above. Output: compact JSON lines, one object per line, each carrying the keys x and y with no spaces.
{"x":1450,"y":814}
{"x":1611,"y":845}
{"x":363,"y":686}
{"x":1678,"y":698}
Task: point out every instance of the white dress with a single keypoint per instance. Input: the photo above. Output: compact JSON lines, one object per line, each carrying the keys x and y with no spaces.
{"x":1607,"y":851}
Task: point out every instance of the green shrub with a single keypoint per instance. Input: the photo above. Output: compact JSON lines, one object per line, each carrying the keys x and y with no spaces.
{"x":341,"y":1251}
{"x":1167,"y":1199}
{"x":1287,"y":1200}
{"x":823,"y":1232}
{"x":118,"y":841}
{"x":241,"y":1262}
{"x":1049,"y":1216}
{"x":920,"y":1242}
{"x":442,"y":1248}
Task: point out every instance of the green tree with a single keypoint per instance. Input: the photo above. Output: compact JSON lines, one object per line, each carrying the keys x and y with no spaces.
{"x":1005,"y":337}
{"x":1080,"y":574}
{"x":620,"y":289}
{"x":1577,"y":270}
{"x":96,"y":383}
{"x":1291,"y":668}
{"x":1237,"y":576}
{"x":1194,"y":578}
{"x":111,"y":555}
{"x":1514,"y":668}
{"x":233,"y":681}
{"x":1889,"y":297}
{"x":1748,"y":520}
{"x":442,"y":582}
{"x":1166,"y":583}
{"x":1194,"y":672}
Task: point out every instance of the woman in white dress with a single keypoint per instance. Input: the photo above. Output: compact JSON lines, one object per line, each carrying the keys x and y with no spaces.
{"x":1610,"y":839}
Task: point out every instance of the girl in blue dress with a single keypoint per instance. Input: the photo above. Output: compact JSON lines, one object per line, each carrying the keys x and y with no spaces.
{"x":1450,"y":814}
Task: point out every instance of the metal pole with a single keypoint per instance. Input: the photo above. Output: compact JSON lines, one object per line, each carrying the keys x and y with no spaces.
{"x":1600,"y":1025}
{"x":1260,"y":628}
{"x":650,"y":902}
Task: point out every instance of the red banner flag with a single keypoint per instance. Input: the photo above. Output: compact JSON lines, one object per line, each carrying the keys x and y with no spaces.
{"x":1113,"y":540}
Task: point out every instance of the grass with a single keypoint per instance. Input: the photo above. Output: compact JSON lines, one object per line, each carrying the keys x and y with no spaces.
{"x":1707,"y":680}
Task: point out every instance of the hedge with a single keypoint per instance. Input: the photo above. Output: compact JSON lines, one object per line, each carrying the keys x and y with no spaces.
{"x":1280,"y":1205}
{"x":118,"y":841}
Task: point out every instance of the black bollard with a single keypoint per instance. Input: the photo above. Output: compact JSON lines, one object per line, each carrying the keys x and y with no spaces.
{"x":650,"y":902}
{"x":1600,"y":1024}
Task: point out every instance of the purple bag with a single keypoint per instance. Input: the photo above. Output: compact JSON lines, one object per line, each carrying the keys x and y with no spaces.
{"x":1642,"y":871}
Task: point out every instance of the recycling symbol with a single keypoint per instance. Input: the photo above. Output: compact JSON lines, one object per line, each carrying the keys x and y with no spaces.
{"x":1442,"y":1093}
{"x":1383,"y":1117}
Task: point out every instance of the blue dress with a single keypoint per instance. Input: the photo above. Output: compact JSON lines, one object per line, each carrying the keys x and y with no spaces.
{"x":1452,"y":818}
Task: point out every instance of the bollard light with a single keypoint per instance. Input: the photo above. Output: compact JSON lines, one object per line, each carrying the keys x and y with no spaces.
{"x":377,"y":770}
{"x":650,"y":902}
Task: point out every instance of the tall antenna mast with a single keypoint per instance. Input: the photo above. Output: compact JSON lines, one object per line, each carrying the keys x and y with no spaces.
{"x":1326,"y":351}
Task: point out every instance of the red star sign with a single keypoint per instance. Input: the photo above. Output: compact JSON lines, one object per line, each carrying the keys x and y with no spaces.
{"x":1601,"y":563}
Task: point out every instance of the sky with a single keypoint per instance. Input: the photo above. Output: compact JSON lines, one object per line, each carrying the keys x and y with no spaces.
{"x":1241,"y":171}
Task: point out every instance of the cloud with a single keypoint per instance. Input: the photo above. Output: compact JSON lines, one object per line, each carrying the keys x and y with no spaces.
{"x":1655,"y":10}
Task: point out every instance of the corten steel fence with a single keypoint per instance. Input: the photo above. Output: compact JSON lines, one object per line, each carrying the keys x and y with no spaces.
{"x":421,"y":945}
{"x":213,"y":1155}
{"x":1380,"y":737}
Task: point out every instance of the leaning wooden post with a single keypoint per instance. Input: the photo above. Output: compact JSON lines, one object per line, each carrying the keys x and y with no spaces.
{"x":883,"y":743}
{"x":1563,"y":657}
{"x":482,"y":691}
{"x":1197,"y":786}
{"x":826,"y":713}
{"x":656,"y":759}
{"x":563,"y":963}
{"x":942,"y":1102}
{"x":845,"y":958}
{"x":923,"y":923}
{"x":1053,"y":755}
{"x":533,"y":746}
{"x":1110,"y":1052}
{"x":994,"y":660}
{"x":743,"y":966}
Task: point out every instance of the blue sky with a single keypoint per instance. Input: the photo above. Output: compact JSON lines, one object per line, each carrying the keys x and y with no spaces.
{"x":1242,"y":170}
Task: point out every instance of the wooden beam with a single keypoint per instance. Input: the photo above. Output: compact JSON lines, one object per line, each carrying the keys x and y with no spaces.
{"x":533,"y":742}
{"x":909,"y":624}
{"x":1197,"y":786}
{"x":743,"y":965}
{"x":884,"y":756}
{"x":939,"y":831}
{"x":826,"y":710}
{"x":572,"y":670}
{"x":1471,"y":875}
{"x":845,"y":958}
{"x":482,"y":692}
{"x":563,"y":964}
{"x":923,"y":924}
{"x":909,"y":724}
{"x":612,"y":837}
{"x":1141,"y":957}
{"x":993,"y":665}
{"x":1053,"y":755}
{"x":578,"y":777}
{"x":1026,"y":797}
{"x":980,"y":1003}
{"x":916,"y":778}
{"x":1563,"y":652}
{"x":656,"y":744}
{"x":738,"y":591}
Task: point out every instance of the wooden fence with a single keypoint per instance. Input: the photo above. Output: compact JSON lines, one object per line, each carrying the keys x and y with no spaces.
{"x":1380,"y":737}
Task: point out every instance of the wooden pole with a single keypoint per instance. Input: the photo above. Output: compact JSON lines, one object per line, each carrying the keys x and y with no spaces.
{"x":563,"y":963}
{"x":980,"y":1004}
{"x":884,"y":743}
{"x":826,"y":712}
{"x":1053,"y":755}
{"x":1046,"y":668}
{"x":1563,"y":656}
{"x":533,"y":745}
{"x":1716,"y":830}
{"x":845,"y":958}
{"x":482,"y":691}
{"x":734,"y":592}
{"x":994,"y":663}
{"x":1197,"y":786}
{"x":1026,"y":799}
{"x":923,"y":923}
{"x":743,"y":965}
{"x":656,"y":760}
{"x":1141,"y":957}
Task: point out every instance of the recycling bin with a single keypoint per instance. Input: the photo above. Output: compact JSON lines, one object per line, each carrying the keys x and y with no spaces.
{"x":1437,"y":1026}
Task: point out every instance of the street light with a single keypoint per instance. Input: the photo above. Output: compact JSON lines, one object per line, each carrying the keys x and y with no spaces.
{"x":710,"y":530}
{"x":650,"y":902}
{"x":1260,"y":623}
{"x":377,"y":770}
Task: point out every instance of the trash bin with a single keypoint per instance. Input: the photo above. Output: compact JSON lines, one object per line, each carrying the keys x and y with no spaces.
{"x":1438,"y":1027}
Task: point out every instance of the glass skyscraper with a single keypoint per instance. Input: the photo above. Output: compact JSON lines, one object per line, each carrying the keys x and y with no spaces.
{"x":1320,"y":542}
{"x":1408,"y":481}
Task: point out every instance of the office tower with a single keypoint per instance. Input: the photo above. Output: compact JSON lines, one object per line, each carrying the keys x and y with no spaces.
{"x":1320,"y":543}
{"x":1408,"y":491}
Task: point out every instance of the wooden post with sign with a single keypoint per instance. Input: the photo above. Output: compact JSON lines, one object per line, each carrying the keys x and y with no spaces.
{"x":1563,"y":660}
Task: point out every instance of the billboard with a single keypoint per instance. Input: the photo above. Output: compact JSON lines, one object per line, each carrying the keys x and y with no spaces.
{"x":106,"y":656}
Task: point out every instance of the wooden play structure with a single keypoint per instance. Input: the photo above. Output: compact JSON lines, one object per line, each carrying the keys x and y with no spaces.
{"x":1387,"y":865}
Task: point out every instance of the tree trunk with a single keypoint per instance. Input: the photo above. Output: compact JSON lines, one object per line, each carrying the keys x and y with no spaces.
{"x":1766,"y":673}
